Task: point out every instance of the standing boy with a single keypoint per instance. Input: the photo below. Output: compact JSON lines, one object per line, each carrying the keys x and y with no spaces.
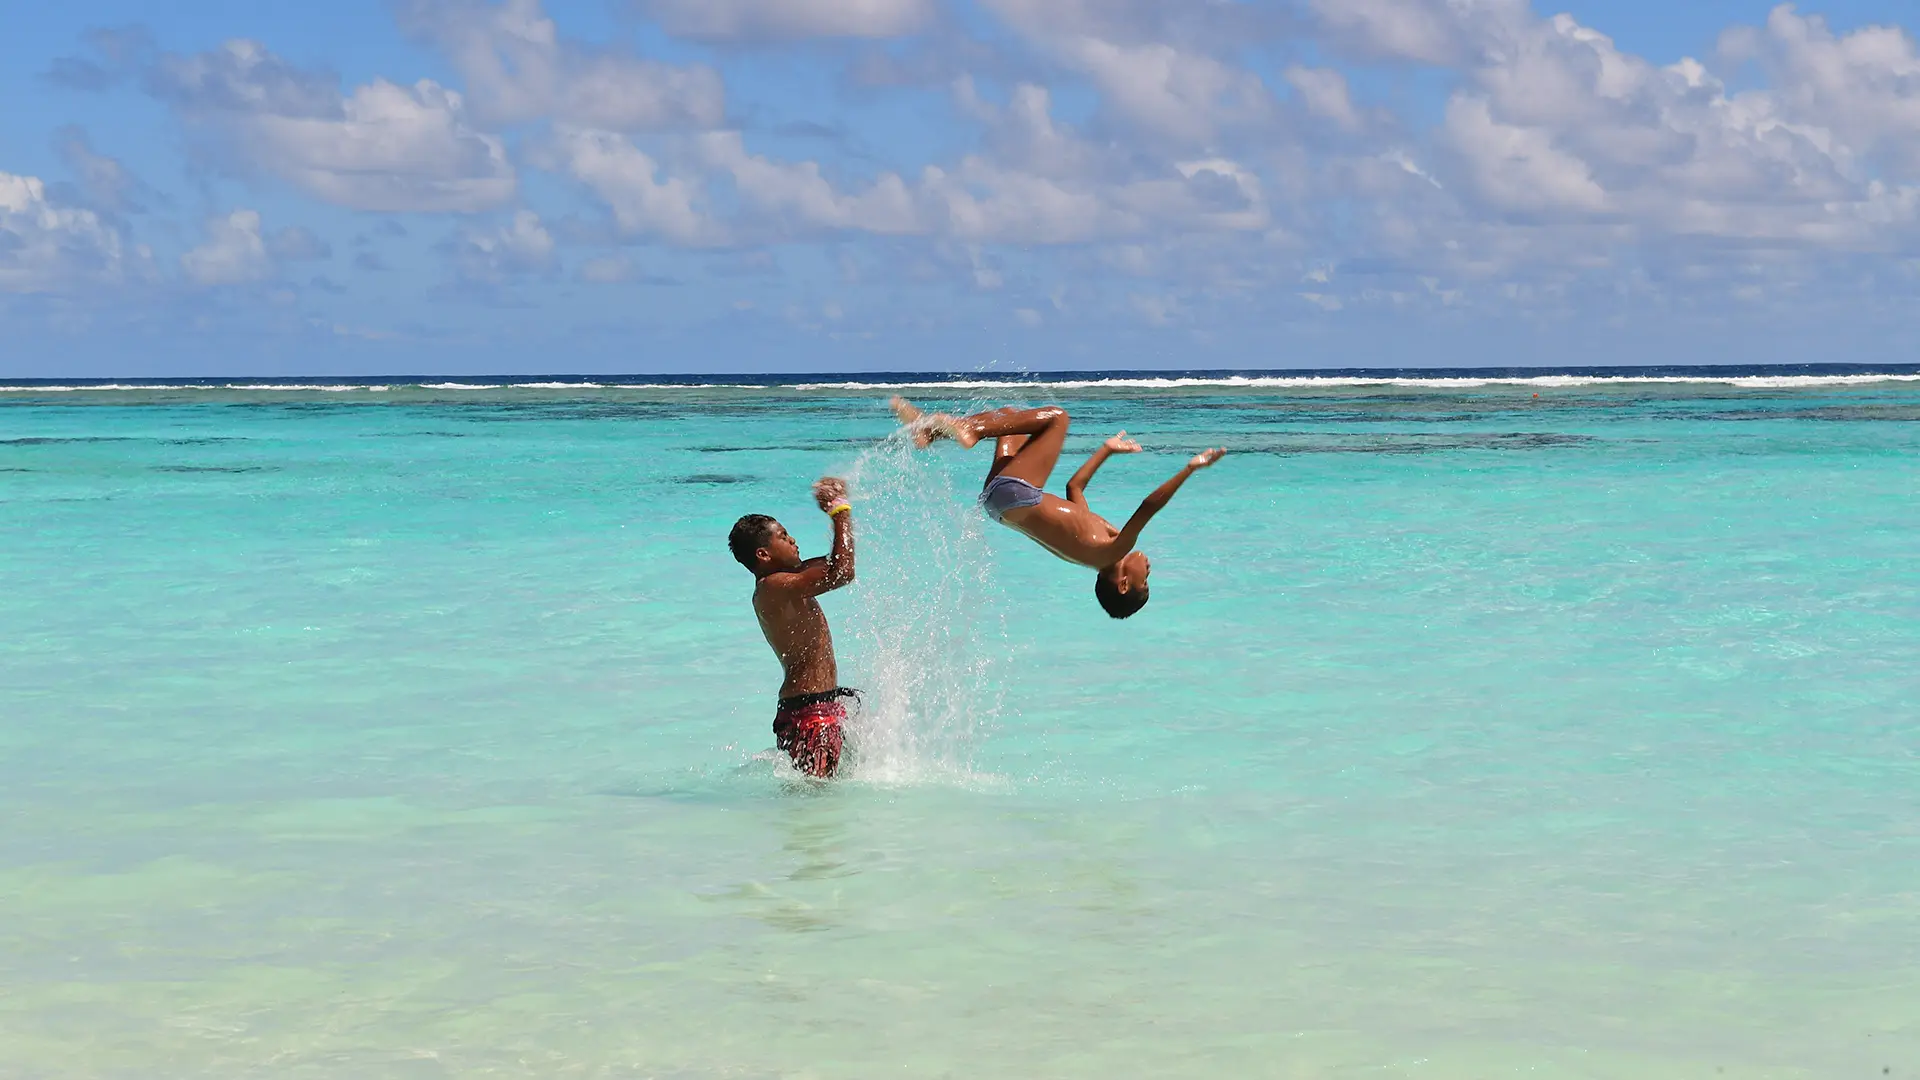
{"x":808,"y":724}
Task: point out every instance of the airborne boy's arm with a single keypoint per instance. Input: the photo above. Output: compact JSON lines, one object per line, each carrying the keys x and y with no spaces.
{"x":1157,"y":501}
{"x":1077,"y":487}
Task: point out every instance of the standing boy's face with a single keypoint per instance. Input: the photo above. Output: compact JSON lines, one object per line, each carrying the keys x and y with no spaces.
{"x":782,"y":551}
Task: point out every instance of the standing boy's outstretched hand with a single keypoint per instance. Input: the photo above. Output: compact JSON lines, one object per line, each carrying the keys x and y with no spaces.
{"x":1206,"y":457}
{"x":1120,"y":444}
{"x":829,"y":492}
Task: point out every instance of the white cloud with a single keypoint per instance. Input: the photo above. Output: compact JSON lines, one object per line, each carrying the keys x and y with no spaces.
{"x":522,"y":246}
{"x":385,"y":147}
{"x":1519,"y":168}
{"x":978,"y":201}
{"x":1153,"y":309}
{"x":607,"y":270}
{"x":1166,"y":87}
{"x":1558,"y":158}
{"x":1023,"y":133}
{"x":107,"y":183}
{"x":297,"y":243}
{"x":772,"y":20}
{"x":1445,"y":32}
{"x":1173,"y":94}
{"x":982,"y":201}
{"x":1864,"y":86}
{"x":1560,"y":122}
{"x":800,"y":197}
{"x":1324,"y":92}
{"x":46,"y":248}
{"x":518,"y":70}
{"x":630,"y":182}
{"x":1207,"y":24}
{"x":1039,"y":182}
{"x":234,"y":253}
{"x":1221,"y":193}
{"x":244,"y":76}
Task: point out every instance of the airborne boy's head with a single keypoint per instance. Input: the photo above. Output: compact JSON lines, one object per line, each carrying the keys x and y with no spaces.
{"x":1122,"y":587}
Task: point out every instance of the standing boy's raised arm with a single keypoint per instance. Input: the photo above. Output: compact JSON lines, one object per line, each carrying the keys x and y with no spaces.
{"x":1158,"y":499}
{"x":831,"y":493}
{"x":823,"y":575}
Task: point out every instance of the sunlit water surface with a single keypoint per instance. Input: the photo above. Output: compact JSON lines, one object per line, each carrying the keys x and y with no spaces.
{"x":425,"y":732}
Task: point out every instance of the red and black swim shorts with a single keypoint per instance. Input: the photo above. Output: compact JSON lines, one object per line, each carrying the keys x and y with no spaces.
{"x":810,"y":728}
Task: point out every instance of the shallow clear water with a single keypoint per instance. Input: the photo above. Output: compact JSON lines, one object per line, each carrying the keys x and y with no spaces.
{"x":1468,"y":734}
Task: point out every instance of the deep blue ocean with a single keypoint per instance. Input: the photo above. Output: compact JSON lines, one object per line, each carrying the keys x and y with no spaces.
{"x":1483,"y":724}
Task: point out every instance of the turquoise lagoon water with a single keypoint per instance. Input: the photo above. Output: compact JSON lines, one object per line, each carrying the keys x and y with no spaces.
{"x":424,"y":732}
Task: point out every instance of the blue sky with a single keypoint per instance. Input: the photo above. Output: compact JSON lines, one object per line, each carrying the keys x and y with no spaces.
{"x":429,"y":186}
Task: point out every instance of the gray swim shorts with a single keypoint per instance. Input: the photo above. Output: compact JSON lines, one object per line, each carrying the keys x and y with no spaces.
{"x":1004,"y":493}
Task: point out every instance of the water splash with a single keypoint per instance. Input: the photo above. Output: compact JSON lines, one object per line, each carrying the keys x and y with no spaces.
{"x":929,"y":626}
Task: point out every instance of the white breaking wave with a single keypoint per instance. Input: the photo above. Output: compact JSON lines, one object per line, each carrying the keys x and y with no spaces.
{"x":1143,"y":382}
{"x":1283,"y":382}
{"x":325,"y":388}
{"x":330,"y":388}
{"x":73,"y":389}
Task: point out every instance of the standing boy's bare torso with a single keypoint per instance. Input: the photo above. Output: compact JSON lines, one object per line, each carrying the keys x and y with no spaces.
{"x":797,"y":631}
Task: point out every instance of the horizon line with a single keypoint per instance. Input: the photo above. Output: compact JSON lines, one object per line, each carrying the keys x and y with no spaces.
{"x":1049,"y":374}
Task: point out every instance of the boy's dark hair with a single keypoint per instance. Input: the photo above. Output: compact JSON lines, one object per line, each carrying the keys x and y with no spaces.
{"x":1118,"y":604}
{"x":749,"y":535}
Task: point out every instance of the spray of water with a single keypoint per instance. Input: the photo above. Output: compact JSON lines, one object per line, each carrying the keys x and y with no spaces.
{"x":928,"y":625}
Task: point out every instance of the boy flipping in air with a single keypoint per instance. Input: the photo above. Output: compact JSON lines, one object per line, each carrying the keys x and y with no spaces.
{"x":1027,"y":447}
{"x":808,"y":722}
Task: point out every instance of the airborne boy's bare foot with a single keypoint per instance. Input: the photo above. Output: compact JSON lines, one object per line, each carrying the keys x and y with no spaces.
{"x":926,"y":427}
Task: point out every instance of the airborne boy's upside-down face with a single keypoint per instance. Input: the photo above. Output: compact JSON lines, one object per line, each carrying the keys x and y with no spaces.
{"x":1122,"y":587}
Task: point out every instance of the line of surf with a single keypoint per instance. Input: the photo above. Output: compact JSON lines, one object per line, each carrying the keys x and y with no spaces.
{"x":335,"y":388}
{"x":1141,"y":382}
{"x":1309,"y":382}
{"x":330,"y":388}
